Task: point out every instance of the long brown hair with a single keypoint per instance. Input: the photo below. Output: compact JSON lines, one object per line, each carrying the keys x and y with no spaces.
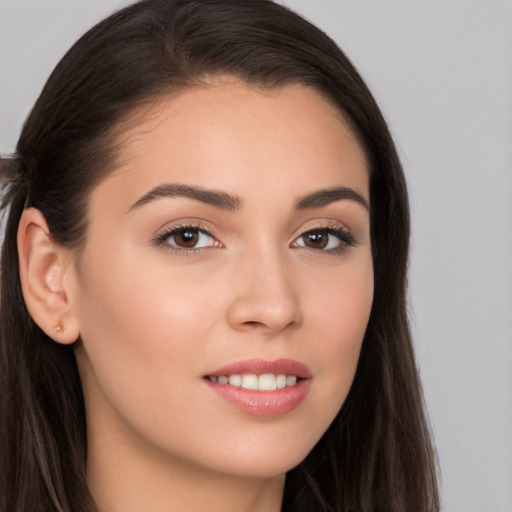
{"x":377,"y":454}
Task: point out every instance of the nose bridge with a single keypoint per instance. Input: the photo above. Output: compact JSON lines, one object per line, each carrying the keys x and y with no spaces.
{"x":267,"y":296}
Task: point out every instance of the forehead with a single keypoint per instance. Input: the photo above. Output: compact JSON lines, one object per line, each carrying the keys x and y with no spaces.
{"x":235,"y":136}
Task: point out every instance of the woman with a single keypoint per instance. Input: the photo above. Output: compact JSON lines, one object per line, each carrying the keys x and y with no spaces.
{"x":203,"y":277}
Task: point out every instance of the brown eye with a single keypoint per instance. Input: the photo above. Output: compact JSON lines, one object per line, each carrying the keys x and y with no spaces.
{"x":187,"y":238}
{"x":316,"y":239}
{"x":331,"y":240}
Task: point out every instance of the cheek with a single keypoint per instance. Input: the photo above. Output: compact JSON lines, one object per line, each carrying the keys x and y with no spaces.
{"x":340,"y":303}
{"x":148,"y":296}
{"x":341,"y":309}
{"x":142,"y":338}
{"x":139,"y":329}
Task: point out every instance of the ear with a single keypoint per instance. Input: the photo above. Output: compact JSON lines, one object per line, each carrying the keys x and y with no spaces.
{"x":46,"y":274}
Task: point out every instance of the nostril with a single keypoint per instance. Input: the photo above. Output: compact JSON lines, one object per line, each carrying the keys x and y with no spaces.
{"x":252,"y":324}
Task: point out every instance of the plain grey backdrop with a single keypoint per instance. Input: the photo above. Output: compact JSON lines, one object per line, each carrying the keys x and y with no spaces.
{"x":442,"y":73}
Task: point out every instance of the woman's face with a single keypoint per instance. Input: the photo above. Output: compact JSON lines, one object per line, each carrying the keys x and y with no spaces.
{"x":231,"y":242}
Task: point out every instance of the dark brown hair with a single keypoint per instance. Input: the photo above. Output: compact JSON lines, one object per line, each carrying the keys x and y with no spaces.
{"x":377,"y":454}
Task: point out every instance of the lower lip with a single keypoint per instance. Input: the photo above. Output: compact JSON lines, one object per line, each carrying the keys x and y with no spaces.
{"x":263,"y":403}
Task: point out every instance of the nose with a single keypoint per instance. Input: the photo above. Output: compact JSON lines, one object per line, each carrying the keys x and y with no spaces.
{"x":266,"y":297}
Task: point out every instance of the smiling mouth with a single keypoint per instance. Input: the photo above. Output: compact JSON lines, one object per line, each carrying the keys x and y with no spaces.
{"x":252,"y":381}
{"x":262,"y":387}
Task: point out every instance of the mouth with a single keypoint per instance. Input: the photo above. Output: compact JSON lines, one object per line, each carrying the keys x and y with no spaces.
{"x":263,"y":388}
{"x":253,"y":381}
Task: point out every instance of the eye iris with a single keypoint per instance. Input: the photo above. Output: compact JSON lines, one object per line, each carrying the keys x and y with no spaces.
{"x":186,"y":237}
{"x":316,"y":239}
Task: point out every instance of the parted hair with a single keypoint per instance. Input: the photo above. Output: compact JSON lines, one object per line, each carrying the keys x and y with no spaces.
{"x":377,"y":455}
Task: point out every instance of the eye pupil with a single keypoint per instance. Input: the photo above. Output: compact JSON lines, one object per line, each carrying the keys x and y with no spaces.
{"x":316,"y":239}
{"x":186,"y":237}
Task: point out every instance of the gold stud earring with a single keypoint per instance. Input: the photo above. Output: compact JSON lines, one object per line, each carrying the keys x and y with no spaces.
{"x":59,"y":327}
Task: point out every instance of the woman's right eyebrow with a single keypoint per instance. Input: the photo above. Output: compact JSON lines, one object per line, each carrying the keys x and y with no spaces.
{"x":219,"y":199}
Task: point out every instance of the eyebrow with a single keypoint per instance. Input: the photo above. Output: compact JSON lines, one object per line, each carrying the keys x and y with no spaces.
{"x":221,"y":200}
{"x":329,"y":195}
{"x":233,"y":203}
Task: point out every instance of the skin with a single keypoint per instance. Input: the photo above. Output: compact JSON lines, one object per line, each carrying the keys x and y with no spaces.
{"x":155,"y":318}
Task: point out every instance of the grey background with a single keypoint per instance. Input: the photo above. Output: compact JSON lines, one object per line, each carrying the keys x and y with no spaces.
{"x":442,"y":72}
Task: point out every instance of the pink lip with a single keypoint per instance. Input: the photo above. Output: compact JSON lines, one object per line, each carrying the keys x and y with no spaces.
{"x":264,"y":403}
{"x":261,"y":366}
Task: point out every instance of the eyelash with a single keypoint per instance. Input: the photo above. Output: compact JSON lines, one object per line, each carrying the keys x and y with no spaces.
{"x":162,"y":239}
{"x":345,"y":237}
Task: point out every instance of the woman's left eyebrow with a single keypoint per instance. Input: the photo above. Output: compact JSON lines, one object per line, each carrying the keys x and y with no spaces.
{"x":326,"y":196}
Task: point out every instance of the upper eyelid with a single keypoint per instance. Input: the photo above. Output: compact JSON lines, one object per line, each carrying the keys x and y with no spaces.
{"x":319,"y":224}
{"x":176,"y":225}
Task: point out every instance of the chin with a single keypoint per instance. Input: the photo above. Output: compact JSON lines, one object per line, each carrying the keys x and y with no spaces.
{"x":264,"y":462}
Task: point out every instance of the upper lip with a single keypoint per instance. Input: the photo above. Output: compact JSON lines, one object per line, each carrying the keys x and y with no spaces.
{"x":262,"y":366}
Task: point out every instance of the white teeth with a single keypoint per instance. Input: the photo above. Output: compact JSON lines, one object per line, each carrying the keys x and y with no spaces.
{"x":291,"y":380}
{"x":265,"y":382}
{"x":250,"y":381}
{"x":235,"y":380}
{"x":281,"y":381}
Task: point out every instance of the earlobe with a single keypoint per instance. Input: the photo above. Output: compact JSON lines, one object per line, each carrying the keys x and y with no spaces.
{"x":45,"y":269}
